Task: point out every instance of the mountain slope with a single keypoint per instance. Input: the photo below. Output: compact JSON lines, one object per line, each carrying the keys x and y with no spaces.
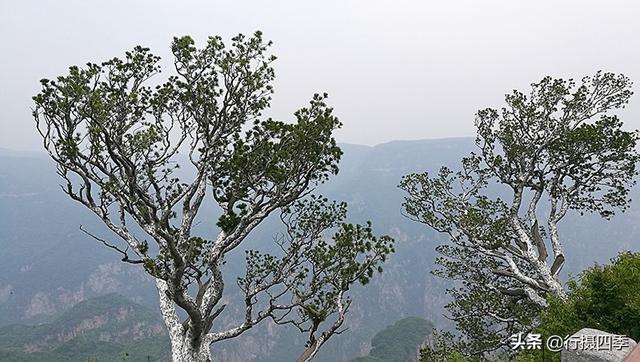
{"x":105,"y":328}
{"x":48,"y":265}
{"x":400,"y":342}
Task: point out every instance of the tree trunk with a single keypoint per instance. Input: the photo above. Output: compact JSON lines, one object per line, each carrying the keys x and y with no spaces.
{"x":308,"y":353}
{"x":182,"y":351}
{"x":182,"y":347}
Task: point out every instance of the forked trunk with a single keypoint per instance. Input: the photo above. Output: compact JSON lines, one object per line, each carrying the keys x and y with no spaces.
{"x":182,"y":351}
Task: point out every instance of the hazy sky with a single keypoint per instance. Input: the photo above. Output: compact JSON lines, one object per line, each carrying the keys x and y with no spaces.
{"x":393,"y":69}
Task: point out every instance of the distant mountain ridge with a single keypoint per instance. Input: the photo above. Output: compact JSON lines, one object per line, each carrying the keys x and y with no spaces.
{"x":48,"y":265}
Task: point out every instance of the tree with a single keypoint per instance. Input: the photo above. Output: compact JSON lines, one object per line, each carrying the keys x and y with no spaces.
{"x":118,"y":141}
{"x":558,"y":148}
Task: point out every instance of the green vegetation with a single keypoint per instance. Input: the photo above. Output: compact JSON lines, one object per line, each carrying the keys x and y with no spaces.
{"x":603,"y":297}
{"x":151,"y":349}
{"x":399,"y":342}
{"x":108,"y":328}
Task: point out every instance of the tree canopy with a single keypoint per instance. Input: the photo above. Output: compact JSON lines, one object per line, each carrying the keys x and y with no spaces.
{"x":555,"y":149}
{"x":123,"y":143}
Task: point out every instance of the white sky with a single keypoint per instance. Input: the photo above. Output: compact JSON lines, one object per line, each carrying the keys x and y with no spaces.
{"x":393,"y":69}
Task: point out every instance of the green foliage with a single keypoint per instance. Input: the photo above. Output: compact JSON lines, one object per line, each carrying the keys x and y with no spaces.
{"x":603,"y":297}
{"x":318,"y":271}
{"x":399,"y":342}
{"x":116,"y":139}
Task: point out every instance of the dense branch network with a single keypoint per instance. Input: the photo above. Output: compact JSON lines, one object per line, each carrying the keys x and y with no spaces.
{"x":555,"y":149}
{"x":123,"y":147}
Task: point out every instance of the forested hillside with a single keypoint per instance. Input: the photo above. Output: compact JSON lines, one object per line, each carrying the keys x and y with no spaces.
{"x":106,"y":328}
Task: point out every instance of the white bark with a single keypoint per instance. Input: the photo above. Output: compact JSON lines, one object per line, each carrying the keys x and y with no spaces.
{"x":214,"y":290}
{"x":529,"y":253}
{"x":182,"y":349}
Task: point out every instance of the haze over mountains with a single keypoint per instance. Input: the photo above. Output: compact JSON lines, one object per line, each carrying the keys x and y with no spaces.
{"x":47,"y":265}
